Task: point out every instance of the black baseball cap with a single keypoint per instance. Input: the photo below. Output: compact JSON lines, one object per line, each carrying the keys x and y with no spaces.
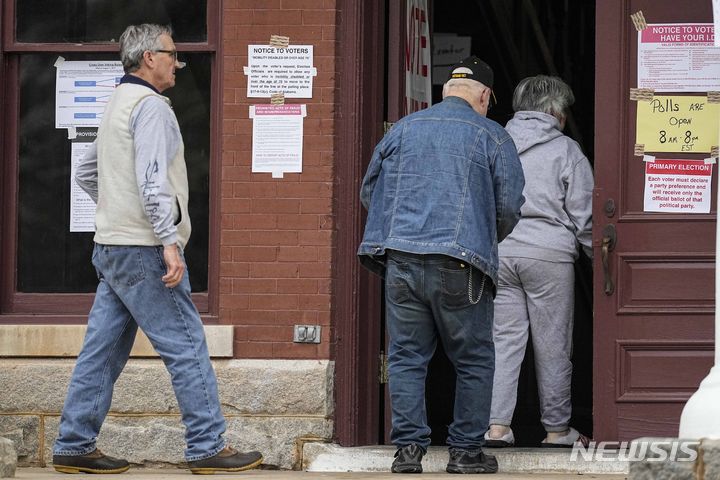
{"x":474,"y":69}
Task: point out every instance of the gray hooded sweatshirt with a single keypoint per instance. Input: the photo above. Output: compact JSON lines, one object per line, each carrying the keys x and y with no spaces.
{"x":557,"y":214}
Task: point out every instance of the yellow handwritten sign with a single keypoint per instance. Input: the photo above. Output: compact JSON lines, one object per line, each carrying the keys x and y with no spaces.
{"x":677,"y":124}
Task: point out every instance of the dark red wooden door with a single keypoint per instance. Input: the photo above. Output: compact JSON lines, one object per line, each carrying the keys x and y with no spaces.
{"x":653,"y":333}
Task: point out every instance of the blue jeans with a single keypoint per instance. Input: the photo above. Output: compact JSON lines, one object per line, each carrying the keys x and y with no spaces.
{"x":430,"y":297}
{"x":131,"y":294}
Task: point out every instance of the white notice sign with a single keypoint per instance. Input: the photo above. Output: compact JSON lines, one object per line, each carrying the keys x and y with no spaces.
{"x":82,"y":89}
{"x":678,"y":57}
{"x":82,"y":207}
{"x":277,"y":138}
{"x":677,"y":186}
{"x":280,"y":70}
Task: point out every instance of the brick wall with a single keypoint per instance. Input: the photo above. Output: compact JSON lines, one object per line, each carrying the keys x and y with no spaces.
{"x":276,"y":234}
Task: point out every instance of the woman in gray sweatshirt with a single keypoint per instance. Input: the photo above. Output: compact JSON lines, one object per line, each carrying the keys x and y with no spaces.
{"x":536,"y":277}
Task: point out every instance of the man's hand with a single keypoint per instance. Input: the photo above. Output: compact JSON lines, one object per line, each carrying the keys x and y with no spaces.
{"x":175,"y":266}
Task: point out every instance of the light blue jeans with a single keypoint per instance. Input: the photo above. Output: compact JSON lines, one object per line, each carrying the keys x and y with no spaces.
{"x":131,"y":294}
{"x":430,"y":297}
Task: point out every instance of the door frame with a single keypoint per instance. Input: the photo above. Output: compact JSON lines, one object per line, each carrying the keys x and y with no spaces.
{"x":360,"y":63}
{"x":610,"y":145}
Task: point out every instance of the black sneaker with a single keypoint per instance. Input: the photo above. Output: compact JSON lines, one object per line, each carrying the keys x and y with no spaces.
{"x":408,"y":459}
{"x":471,"y":461}
{"x":93,"y":462}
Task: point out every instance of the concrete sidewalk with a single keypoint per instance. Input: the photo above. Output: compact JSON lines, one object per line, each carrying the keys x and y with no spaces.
{"x":178,"y":474}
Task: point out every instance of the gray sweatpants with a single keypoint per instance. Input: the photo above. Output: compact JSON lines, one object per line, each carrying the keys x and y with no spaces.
{"x":534,"y":296}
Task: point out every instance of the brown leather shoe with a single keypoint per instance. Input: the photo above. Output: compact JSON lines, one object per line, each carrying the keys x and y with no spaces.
{"x":94,"y":462}
{"x":227,"y":460}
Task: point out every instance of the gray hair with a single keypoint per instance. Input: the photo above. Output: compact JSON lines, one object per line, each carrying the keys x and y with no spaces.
{"x":543,"y":94}
{"x":136,"y":40}
{"x":472,"y":87}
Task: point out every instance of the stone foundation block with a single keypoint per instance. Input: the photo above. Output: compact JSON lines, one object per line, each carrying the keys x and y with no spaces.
{"x":663,"y":459}
{"x":710,"y":450}
{"x":24,"y":432}
{"x":157,"y":440}
{"x":254,"y":387}
{"x":8,"y":458}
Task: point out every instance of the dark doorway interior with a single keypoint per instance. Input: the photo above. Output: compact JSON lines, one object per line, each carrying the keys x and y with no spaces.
{"x":519,"y":38}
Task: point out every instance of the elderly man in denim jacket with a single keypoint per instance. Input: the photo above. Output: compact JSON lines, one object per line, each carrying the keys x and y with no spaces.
{"x":443,"y":188}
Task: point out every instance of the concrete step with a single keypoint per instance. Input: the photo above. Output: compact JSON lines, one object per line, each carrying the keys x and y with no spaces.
{"x":327,"y":457}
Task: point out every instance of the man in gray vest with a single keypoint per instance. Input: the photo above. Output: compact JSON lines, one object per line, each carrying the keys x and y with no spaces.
{"x":135,"y":172}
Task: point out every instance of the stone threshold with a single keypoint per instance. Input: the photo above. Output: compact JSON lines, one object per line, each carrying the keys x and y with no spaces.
{"x":327,"y":457}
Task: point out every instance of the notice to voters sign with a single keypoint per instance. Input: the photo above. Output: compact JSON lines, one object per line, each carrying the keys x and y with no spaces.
{"x":678,"y":57}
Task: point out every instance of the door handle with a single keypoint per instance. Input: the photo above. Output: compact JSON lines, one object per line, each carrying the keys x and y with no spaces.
{"x":608,"y":245}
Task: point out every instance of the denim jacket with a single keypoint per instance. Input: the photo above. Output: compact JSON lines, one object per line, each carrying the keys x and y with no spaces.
{"x":444,"y":180}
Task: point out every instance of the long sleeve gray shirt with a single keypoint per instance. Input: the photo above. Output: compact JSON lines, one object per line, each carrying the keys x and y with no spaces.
{"x":156,"y":137}
{"x":557,"y":214}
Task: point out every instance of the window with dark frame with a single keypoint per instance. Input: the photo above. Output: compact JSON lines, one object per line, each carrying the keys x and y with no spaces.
{"x":45,"y":257}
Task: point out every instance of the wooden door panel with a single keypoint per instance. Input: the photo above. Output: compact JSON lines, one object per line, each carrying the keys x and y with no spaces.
{"x":670,"y":281}
{"x":637,"y":420}
{"x":648,"y":371}
{"x":653,"y":334}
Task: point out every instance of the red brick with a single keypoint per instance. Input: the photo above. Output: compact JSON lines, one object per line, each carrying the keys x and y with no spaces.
{"x":237,"y":142}
{"x":302,"y":317}
{"x":297,"y":254}
{"x":255,"y":190}
{"x":234,"y":238}
{"x":318,"y":143}
{"x":261,"y":317}
{"x":263,"y":333}
{"x":324,"y":318}
{"x":314,"y":270}
{"x":318,"y":17}
{"x":234,"y":301}
{"x":234,"y":173}
{"x":298,"y":222}
{"x":277,"y":19}
{"x":320,"y":238}
{"x":311,"y":205}
{"x":325,"y":254}
{"x":306,"y":190}
{"x":225,"y":286}
{"x":317,"y":174}
{"x":253,"y":4}
{"x":284,"y":205}
{"x":255,"y":222}
{"x":326,"y":222}
{"x":325,"y":286}
{"x":254,"y":254}
{"x":297,"y":350}
{"x":314,"y":302}
{"x":253,"y":350}
{"x":235,"y":205}
{"x":304,"y":285}
{"x":329,"y":32}
{"x":274,"y":237}
{"x":254,"y":285}
{"x":234,"y":270}
{"x":237,"y":17}
{"x":274,"y":302}
{"x":228,"y":158}
{"x":273,"y":270}
{"x":302,"y":4}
